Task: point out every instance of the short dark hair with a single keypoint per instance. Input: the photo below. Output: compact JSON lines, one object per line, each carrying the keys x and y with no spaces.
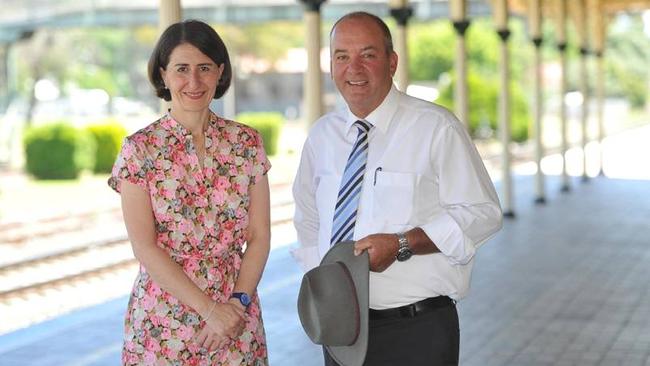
{"x":388,"y":38}
{"x":199,"y":35}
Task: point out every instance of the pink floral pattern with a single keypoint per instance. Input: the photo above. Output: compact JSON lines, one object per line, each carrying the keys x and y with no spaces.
{"x":201,"y":218}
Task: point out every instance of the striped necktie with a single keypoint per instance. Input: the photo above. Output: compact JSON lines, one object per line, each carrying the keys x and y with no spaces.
{"x":345,"y":213}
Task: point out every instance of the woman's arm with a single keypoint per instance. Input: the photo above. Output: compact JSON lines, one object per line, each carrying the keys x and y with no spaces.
{"x":223,"y":319}
{"x":258,"y":238}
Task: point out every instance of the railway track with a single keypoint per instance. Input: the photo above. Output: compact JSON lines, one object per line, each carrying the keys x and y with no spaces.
{"x":21,"y":232}
{"x":63,"y":268}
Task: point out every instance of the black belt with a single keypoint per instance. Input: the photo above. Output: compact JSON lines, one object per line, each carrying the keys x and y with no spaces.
{"x":412,"y":310}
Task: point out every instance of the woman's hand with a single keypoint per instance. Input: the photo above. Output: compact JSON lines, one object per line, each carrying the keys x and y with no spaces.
{"x":224,"y":322}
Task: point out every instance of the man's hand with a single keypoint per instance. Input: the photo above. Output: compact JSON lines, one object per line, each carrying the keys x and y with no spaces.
{"x":382,"y":249}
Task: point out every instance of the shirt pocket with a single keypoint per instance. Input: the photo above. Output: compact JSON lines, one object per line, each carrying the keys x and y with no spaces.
{"x":393,"y":196}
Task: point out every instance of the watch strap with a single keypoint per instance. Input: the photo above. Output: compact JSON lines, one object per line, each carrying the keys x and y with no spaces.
{"x":403,"y":251}
{"x":402,"y":241}
{"x":243,"y":298}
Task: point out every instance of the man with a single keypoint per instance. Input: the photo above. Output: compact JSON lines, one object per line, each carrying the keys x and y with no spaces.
{"x":401,"y":177}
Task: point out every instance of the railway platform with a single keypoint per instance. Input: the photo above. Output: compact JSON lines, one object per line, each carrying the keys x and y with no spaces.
{"x":564,"y":283}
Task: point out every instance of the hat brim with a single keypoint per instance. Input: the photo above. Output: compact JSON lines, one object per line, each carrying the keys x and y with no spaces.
{"x":358,"y":266}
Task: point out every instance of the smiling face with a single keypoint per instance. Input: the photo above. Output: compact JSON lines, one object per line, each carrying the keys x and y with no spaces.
{"x":191,"y":78}
{"x":361,"y":67}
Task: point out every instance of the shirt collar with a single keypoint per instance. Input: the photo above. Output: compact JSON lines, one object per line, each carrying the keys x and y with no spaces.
{"x":381,"y":117}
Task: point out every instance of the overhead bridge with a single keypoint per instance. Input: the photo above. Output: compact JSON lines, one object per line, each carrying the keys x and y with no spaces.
{"x":19,"y":18}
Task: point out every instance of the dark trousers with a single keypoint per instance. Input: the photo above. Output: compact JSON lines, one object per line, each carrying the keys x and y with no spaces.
{"x":428,"y":339}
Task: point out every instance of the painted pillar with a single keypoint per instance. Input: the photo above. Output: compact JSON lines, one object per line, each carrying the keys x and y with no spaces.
{"x":600,"y":105}
{"x":230,"y":98}
{"x":599,"y":49}
{"x":458,"y":13}
{"x":561,"y":46}
{"x":581,"y":26}
{"x":500,"y":12}
{"x":401,"y":11}
{"x":312,"y":88}
{"x":4,"y":77}
{"x":170,"y":12}
{"x":535,"y":27}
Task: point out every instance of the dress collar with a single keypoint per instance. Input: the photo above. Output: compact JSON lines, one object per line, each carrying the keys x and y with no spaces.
{"x":177,"y":129}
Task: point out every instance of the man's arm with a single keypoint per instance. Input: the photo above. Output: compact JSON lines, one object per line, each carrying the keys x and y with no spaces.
{"x":471,"y":212}
{"x":382,"y":248}
{"x":305,"y":218}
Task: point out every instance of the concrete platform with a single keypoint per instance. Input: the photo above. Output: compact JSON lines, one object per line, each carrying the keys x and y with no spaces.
{"x":564,"y":283}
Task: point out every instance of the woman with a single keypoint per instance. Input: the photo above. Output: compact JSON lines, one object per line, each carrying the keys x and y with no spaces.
{"x":194,"y":193}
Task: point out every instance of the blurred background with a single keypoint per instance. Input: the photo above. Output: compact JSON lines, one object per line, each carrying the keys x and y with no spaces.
{"x":73,"y":84}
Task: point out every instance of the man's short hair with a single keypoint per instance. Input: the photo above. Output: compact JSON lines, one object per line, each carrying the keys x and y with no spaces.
{"x":388,"y":38}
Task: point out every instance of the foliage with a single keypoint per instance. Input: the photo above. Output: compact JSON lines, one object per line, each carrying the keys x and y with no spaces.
{"x":431,"y":50}
{"x":627,"y":60}
{"x":483,"y":102}
{"x":432,"y":58}
{"x":107,"y":59}
{"x":626,"y":57}
{"x":108,"y":138}
{"x":112,"y":59}
{"x":268,"y":124}
{"x":269,"y":40}
{"x":58,"y":151}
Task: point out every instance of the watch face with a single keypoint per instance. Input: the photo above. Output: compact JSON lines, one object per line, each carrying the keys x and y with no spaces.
{"x":403,"y":255}
{"x":245,"y":300}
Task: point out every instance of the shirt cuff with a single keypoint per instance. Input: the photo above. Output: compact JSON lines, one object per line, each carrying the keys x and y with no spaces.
{"x":445,"y":233}
{"x":307,"y":257}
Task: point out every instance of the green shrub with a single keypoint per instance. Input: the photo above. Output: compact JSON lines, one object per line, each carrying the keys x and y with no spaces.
{"x":108,"y":139}
{"x":58,"y":151}
{"x":483,"y":105}
{"x":268,"y":124}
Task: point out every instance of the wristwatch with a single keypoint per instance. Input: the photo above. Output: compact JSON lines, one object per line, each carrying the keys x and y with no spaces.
{"x":403,"y":252}
{"x":243,"y":298}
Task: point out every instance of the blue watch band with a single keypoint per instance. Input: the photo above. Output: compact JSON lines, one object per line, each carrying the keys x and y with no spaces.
{"x":243,"y":298}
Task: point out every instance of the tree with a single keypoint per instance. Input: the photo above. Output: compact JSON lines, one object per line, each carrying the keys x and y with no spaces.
{"x":433,"y":48}
{"x":269,"y":41}
{"x":627,"y":60}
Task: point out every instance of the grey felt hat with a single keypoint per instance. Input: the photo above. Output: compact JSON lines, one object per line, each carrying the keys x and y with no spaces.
{"x":333,"y":304}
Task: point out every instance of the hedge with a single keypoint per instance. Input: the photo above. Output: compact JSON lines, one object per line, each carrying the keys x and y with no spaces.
{"x":108,"y":139}
{"x":58,"y":151}
{"x":268,"y":124}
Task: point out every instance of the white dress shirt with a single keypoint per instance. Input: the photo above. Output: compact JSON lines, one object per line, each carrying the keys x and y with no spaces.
{"x":423,"y":171}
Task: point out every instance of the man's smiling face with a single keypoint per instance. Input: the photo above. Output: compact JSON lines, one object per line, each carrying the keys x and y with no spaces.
{"x":361,"y":67}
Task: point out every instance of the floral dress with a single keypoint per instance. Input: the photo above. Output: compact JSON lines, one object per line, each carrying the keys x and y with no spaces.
{"x":201,"y":218}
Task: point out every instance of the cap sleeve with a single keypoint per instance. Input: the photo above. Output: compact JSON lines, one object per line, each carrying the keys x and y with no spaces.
{"x":129,"y":166}
{"x":261,"y":163}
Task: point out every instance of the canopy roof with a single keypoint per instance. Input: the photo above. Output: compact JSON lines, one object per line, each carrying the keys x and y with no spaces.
{"x":19,"y":17}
